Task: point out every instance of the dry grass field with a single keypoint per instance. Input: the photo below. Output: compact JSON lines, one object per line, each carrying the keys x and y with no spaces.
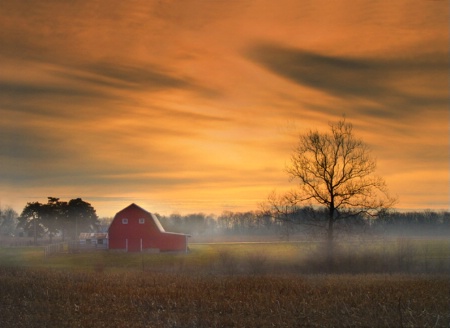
{"x":226,"y":285}
{"x":55,"y":298}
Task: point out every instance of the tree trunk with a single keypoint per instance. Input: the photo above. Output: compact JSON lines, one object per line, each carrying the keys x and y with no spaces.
{"x":330,"y":240}
{"x":35,"y":232}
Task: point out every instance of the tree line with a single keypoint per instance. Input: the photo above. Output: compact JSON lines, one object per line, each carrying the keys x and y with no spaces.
{"x":306,"y":222}
{"x":68,"y":219}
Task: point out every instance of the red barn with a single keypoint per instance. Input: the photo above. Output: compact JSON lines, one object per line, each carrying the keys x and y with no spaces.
{"x":133,"y":229}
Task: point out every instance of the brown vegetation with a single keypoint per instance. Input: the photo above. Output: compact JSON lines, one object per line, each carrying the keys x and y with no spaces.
{"x":50,"y":298}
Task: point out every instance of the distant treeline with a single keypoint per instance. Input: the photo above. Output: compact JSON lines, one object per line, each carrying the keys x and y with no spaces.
{"x":307,"y":221}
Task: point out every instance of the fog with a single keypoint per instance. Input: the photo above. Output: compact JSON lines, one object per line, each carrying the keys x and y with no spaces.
{"x":307,"y":225}
{"x":251,"y":242}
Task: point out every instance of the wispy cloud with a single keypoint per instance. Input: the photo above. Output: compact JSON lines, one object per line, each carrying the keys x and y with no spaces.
{"x":126,"y":77}
{"x":394,"y":85}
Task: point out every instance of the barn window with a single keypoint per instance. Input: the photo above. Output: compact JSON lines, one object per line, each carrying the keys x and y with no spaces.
{"x":124,"y":221}
{"x":141,"y":221}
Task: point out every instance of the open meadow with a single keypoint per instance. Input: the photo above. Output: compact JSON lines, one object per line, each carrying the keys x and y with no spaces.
{"x":229,"y":285}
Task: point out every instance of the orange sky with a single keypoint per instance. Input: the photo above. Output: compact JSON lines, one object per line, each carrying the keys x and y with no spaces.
{"x":195,"y":106}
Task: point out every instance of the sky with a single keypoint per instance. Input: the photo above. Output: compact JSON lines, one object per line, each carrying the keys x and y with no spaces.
{"x":196,"y":106}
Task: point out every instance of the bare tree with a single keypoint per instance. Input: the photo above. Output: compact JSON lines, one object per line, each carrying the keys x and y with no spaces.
{"x":336,"y":170}
{"x":336,"y":180}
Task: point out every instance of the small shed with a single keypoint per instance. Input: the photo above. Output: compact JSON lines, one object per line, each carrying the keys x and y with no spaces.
{"x":133,"y":229}
{"x":93,"y":239}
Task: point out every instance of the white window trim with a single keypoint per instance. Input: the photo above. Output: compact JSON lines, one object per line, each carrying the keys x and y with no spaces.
{"x":141,"y":221}
{"x":124,"y":221}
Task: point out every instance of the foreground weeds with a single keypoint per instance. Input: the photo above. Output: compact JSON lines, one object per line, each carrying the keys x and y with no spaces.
{"x":64,"y":298}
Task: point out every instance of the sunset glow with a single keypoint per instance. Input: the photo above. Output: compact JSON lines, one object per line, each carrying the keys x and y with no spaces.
{"x":195,"y":106}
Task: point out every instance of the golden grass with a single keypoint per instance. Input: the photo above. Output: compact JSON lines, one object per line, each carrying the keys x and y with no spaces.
{"x":57,"y":298}
{"x":393,"y":256}
{"x":228,"y":285}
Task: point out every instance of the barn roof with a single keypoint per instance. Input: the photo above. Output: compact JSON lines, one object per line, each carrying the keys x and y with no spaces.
{"x":154,"y":218}
{"x":131,"y":206}
{"x":93,"y":235}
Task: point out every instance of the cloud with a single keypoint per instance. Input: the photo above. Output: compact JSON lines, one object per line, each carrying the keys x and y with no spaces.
{"x":127,"y":77}
{"x":97,"y":123}
{"x":21,"y":90}
{"x":394,"y":86}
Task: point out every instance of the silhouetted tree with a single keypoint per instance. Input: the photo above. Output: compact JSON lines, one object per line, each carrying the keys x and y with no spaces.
{"x":58,"y":217}
{"x":80,"y":217}
{"x":31,"y":220}
{"x":54,"y":215}
{"x":335,"y":170}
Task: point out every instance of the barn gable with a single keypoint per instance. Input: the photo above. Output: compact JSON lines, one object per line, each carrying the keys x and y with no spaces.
{"x":135,"y":229}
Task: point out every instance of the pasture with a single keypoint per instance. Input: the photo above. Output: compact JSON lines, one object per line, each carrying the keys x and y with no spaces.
{"x":229,"y":285}
{"x":418,"y":256}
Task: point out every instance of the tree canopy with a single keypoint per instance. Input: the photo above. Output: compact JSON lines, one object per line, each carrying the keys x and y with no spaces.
{"x":66,"y":218}
{"x":334,"y":170}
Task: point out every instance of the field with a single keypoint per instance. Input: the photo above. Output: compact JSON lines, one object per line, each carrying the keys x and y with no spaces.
{"x":227,"y":285}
